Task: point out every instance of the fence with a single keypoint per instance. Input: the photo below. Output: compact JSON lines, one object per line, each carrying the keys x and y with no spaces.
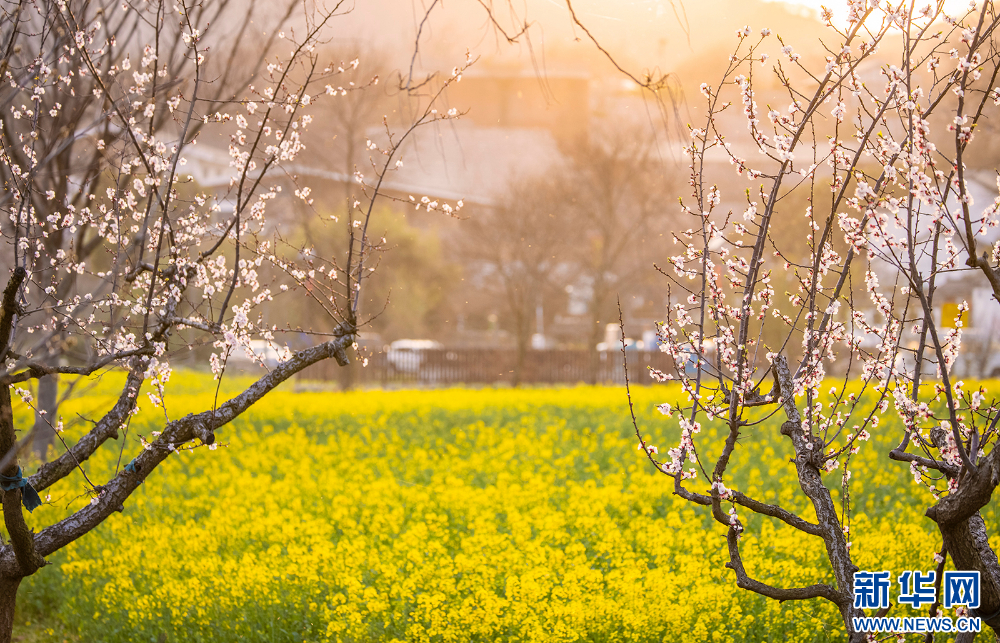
{"x":489,"y":366}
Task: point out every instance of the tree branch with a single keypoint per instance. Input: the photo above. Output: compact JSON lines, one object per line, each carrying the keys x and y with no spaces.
{"x":106,"y":427}
{"x":743,"y":580}
{"x":202,"y":425}
{"x":8,"y":308}
{"x":775,"y":511}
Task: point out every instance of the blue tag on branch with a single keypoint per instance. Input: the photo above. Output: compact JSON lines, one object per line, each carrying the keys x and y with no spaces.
{"x":29,"y":497}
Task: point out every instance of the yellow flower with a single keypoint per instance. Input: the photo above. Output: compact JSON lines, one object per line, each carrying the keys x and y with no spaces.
{"x":456,"y":515}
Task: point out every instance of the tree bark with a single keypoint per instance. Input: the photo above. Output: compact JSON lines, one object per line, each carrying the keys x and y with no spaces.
{"x":21,"y":539}
{"x":969,"y":547}
{"x":964,"y":532}
{"x":177,"y":432}
{"x":8,"y":597}
{"x":347,"y":377}
{"x":811,"y":483}
{"x":347,"y":374}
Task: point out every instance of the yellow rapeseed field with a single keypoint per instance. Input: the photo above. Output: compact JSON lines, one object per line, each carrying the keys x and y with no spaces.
{"x":445,"y":515}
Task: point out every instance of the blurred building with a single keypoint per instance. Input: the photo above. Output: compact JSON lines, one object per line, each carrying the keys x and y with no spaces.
{"x":556,"y":102}
{"x":516,"y":125}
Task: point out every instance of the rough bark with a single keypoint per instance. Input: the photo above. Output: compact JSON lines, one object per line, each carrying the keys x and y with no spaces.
{"x":347,"y":374}
{"x":347,"y":378}
{"x":807,"y":454}
{"x":964,"y":532}
{"x":969,"y":547}
{"x":22,"y":543}
{"x":743,"y":580}
{"x":107,"y":427}
{"x":22,"y":556}
{"x":833,"y":536}
{"x":8,"y":308}
{"x":8,"y":595}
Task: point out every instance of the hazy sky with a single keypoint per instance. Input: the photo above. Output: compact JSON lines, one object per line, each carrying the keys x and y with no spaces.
{"x":690,"y":38}
{"x":839,"y":6}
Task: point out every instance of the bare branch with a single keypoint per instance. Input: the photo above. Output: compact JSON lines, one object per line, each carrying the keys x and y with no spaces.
{"x":744,"y":581}
{"x":113,"y":495}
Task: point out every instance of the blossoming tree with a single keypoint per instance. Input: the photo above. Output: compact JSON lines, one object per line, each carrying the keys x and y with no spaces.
{"x":877,"y":138}
{"x":113,"y":249}
{"x":69,"y":161}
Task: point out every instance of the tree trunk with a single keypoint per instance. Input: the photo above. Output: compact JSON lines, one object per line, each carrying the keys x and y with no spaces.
{"x":964,"y":532}
{"x":596,"y":337}
{"x":522,"y":352}
{"x":48,"y":401}
{"x":8,"y":596}
{"x":347,"y":377}
{"x":347,"y":374}
{"x":968,"y":545}
{"x":597,"y":329}
{"x":811,"y":483}
{"x":21,"y":538}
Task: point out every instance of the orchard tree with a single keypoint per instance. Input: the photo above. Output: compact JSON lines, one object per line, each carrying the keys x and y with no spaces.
{"x":877,"y":137}
{"x":115,"y":258}
{"x":66,"y":167}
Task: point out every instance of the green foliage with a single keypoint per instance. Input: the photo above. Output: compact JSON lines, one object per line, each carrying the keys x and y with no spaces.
{"x":409,"y":289}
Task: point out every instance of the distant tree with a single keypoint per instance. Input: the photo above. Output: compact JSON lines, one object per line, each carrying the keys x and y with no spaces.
{"x":112,"y":252}
{"x":410,"y":293}
{"x":362,"y":102}
{"x":520,"y":250}
{"x":614,"y":193}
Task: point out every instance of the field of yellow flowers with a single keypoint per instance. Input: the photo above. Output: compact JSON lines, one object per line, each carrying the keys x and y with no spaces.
{"x":444,"y":515}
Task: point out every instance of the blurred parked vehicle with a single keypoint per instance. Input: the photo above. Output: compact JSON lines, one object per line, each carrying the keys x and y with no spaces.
{"x":405,"y":355}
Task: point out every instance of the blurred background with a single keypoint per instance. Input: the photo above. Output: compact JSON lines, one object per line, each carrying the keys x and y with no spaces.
{"x":569,"y":174}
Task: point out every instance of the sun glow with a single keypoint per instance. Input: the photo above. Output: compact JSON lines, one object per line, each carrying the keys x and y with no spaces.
{"x":840,"y":8}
